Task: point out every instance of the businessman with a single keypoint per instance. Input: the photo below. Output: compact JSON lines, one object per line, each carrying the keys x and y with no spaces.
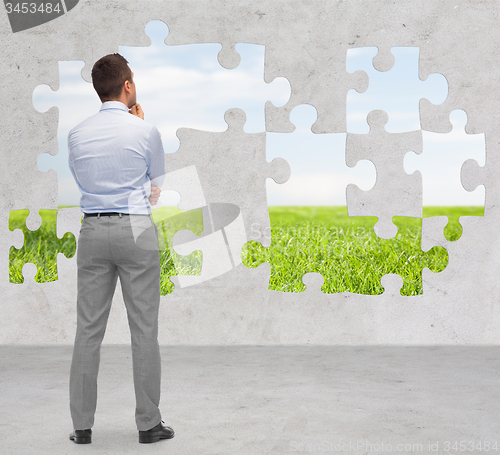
{"x":114,"y":156}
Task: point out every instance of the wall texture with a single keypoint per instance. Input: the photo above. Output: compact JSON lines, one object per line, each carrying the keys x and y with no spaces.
{"x":306,"y":42}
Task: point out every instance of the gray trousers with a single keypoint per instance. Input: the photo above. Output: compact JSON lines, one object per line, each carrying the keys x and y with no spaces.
{"x":107,"y":250}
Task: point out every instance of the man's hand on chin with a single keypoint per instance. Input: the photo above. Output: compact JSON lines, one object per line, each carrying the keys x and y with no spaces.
{"x":136,"y":110}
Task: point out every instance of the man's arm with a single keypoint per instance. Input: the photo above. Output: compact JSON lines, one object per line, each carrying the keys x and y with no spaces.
{"x":136,"y":110}
{"x":155,"y":153}
{"x":155,"y":159}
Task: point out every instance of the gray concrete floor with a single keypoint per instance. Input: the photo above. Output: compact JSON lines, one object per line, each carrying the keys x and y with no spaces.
{"x":264,"y":400}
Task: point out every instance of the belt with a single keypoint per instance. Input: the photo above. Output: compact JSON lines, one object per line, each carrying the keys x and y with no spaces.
{"x":86,"y":215}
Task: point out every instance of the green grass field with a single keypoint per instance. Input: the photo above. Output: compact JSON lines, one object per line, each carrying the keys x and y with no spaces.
{"x":40,"y":247}
{"x":346,"y":251}
{"x":343,"y":249}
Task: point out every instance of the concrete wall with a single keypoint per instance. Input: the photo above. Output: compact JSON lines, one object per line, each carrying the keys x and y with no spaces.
{"x":306,"y":42}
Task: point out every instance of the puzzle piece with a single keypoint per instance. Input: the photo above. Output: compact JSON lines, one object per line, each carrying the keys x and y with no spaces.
{"x":69,"y":220}
{"x":243,"y":153}
{"x":467,"y":90}
{"x":466,"y":250}
{"x":397,"y":91}
{"x":186,"y":182}
{"x":395,"y":193}
{"x":455,"y":157}
{"x":237,"y":205}
{"x":348,"y":255}
{"x":40,"y":247}
{"x":432,"y":232}
{"x":323,"y":86}
{"x":228,"y":56}
{"x":221,"y":244}
{"x":319,"y":171}
{"x":169,"y":221}
{"x":218,"y":233}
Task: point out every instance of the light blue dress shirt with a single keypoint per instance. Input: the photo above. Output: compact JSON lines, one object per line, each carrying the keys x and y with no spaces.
{"x":113,"y":157}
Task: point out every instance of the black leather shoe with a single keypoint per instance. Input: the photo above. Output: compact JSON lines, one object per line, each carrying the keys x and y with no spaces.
{"x":81,"y":436}
{"x":156,"y":433}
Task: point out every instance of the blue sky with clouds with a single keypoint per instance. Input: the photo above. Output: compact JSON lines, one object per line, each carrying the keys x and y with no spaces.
{"x":185,"y":86}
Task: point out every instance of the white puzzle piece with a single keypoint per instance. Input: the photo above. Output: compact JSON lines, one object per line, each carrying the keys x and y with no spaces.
{"x":441,"y":161}
{"x":395,"y":192}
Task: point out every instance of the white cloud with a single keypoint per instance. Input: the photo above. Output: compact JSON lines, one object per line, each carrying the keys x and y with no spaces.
{"x":313,"y":189}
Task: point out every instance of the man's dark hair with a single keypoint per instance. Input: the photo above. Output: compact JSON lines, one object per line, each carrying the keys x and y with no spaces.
{"x":108,"y":76}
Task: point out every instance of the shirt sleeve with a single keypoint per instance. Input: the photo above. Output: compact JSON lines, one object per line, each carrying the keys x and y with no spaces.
{"x":70,"y":161}
{"x":156,"y":158}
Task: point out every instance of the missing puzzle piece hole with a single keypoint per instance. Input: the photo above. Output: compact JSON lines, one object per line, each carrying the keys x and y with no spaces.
{"x":303,"y":117}
{"x":453,"y":230}
{"x":157,"y":32}
{"x":394,"y":86}
{"x":451,"y":217}
{"x":228,"y":57}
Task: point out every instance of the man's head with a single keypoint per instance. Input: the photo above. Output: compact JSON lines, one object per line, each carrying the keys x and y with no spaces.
{"x":113,"y":80}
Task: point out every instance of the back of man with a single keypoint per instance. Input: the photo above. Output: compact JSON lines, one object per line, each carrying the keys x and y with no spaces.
{"x":114,"y":156}
{"x":111,"y":154}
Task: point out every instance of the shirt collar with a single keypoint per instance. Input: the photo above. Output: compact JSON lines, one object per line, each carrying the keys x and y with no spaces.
{"x":114,"y":105}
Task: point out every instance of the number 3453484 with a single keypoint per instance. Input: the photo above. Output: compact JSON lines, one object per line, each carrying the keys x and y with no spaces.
{"x":32,"y":8}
